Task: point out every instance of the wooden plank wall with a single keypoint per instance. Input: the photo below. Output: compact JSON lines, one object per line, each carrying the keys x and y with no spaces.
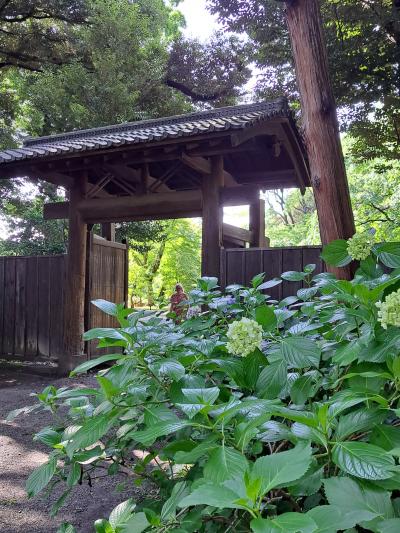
{"x":241,"y":265}
{"x":31,"y":307}
{"x":107,"y":280}
{"x":32,"y":300}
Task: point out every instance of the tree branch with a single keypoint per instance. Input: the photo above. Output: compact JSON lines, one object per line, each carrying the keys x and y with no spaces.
{"x":192,"y":93}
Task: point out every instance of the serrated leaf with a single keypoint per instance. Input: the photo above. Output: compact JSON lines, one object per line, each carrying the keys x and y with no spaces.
{"x":149,"y":435}
{"x":265,"y":316}
{"x":104,"y":333}
{"x":358,"y":504}
{"x":224,"y":463}
{"x":359,"y":421}
{"x":107,"y":307}
{"x":329,"y":518}
{"x":89,"y":433}
{"x":282,"y":468}
{"x":40,"y":477}
{"x":300,"y":352}
{"x":389,"y":254}
{"x":272,"y":380}
{"x":269,"y":284}
{"x":292,"y":275}
{"x":213,"y":495}
{"x":190,"y":457}
{"x":136,"y":524}
{"x":363,"y":460}
{"x":335,"y":253}
{"x":303,"y":388}
{"x":170,"y":368}
{"x":121,"y":513}
{"x":74,"y":474}
{"x":48,"y":436}
{"x":385,"y":436}
{"x":168,"y":510}
{"x":285,"y":523}
{"x":205,"y":396}
{"x":88,"y":365}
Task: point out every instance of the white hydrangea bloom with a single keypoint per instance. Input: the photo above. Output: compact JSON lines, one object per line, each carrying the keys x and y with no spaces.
{"x":389,"y":310}
{"x":244,"y":336}
{"x":360,"y":245}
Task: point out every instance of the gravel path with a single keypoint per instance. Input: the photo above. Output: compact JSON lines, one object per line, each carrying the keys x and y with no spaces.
{"x":19,"y":456}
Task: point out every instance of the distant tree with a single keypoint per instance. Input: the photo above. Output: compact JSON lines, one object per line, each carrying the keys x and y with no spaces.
{"x":363,"y":42}
{"x":34,"y":33}
{"x":160,"y":260}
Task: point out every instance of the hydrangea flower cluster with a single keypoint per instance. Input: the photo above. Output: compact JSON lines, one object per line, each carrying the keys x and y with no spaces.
{"x":360,"y":245}
{"x":244,"y":336}
{"x":389,"y":310}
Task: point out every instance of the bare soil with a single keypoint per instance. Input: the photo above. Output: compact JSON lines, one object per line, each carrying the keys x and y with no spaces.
{"x":19,"y":456}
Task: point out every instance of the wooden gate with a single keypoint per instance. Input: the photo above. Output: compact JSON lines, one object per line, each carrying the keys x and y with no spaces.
{"x":32,"y":299}
{"x":241,"y":265}
{"x":108,"y":280}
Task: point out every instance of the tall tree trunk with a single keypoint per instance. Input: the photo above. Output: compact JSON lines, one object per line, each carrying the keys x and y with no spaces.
{"x":328,"y":173}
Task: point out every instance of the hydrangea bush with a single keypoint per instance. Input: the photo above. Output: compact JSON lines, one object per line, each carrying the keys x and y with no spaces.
{"x":256,"y":416}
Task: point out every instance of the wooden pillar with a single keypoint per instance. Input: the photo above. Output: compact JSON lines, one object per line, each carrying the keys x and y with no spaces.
{"x":74,"y":299}
{"x":212,"y":218}
{"x":108,"y":231}
{"x":257,"y":223}
{"x":321,"y":131}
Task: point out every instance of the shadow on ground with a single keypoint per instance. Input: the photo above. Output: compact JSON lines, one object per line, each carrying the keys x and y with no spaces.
{"x":19,"y":455}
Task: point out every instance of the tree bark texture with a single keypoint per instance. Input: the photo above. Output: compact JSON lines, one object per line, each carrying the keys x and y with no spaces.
{"x":328,"y":173}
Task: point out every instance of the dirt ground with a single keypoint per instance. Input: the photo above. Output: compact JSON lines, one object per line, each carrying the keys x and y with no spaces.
{"x":19,"y":455}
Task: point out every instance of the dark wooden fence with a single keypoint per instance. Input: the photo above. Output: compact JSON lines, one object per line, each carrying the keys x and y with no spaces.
{"x":32,"y":299}
{"x":241,"y":265}
{"x":31,"y":307}
{"x":32,"y":291}
{"x":108,"y":279}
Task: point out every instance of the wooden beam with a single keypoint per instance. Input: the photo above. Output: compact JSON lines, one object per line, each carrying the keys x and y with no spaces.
{"x":74,"y":298}
{"x":203,"y":166}
{"x":108,"y":231}
{"x":235,"y":234}
{"x":212,"y":218}
{"x":257,"y":224}
{"x":243,"y":195}
{"x":153,"y":205}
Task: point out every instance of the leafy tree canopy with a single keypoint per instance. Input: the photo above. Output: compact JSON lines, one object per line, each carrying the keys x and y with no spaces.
{"x":363,"y":40}
{"x":34,"y":33}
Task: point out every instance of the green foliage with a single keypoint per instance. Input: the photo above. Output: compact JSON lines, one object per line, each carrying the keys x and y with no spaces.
{"x":363,"y":51}
{"x":291,"y":219}
{"x":162,"y":254}
{"x":301,"y":435}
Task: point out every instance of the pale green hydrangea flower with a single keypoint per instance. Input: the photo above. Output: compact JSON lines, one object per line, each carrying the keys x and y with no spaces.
{"x":244,"y":336}
{"x":360,"y":245}
{"x":389,"y":310}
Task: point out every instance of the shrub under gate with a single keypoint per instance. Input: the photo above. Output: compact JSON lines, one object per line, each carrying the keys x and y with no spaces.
{"x":300,"y":435}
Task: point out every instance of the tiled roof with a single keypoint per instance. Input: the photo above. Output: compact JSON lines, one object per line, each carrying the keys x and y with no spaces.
{"x":147,"y":131}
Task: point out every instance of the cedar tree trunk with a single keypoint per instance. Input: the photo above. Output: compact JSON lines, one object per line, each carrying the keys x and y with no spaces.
{"x":328,"y":173}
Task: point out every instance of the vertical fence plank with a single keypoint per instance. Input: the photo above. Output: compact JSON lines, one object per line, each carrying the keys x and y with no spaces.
{"x":56,"y":307}
{"x":235,"y":267}
{"x":253,"y":264}
{"x":20,"y":306}
{"x":44,"y":306}
{"x":9,"y":306}
{"x":312,"y":255}
{"x":32,"y":306}
{"x":272,"y":266}
{"x":292,"y":259}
